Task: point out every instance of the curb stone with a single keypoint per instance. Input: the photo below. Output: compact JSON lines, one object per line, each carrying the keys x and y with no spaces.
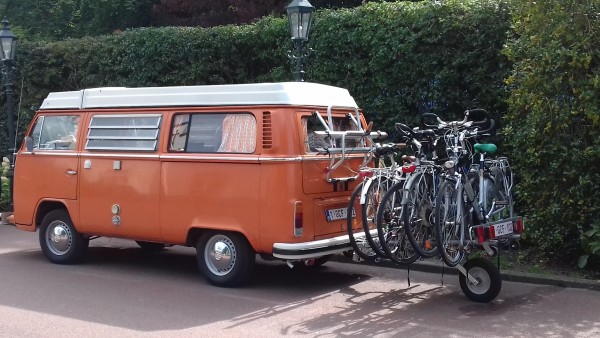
{"x":436,"y":266}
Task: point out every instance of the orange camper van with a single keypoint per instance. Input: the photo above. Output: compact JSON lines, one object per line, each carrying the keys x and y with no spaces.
{"x":233,"y":170}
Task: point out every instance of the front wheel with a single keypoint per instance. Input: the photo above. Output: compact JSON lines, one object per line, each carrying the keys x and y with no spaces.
{"x":61,"y":243}
{"x":390,"y":230}
{"x":354,"y":226}
{"x":489,"y":281}
{"x":224,"y":258}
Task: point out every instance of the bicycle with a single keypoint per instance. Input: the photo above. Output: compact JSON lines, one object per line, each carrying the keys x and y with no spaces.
{"x":365,"y":200}
{"x":391,"y":229}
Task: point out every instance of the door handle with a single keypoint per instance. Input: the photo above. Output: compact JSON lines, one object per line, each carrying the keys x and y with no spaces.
{"x":71,"y":172}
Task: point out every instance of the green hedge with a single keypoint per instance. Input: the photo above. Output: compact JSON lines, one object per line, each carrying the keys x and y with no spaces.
{"x":398,"y":59}
{"x":554,"y":122}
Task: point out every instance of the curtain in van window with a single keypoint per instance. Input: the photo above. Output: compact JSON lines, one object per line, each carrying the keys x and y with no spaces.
{"x":239,"y":134}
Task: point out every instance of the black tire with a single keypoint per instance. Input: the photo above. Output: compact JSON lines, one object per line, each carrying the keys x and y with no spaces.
{"x":488,"y":276}
{"x":150,"y":246}
{"x":502,"y":192}
{"x":390,"y":228}
{"x":322,"y":260}
{"x":373,"y":196}
{"x":448,"y":225}
{"x":419,"y":210}
{"x":61,"y":243}
{"x":225,"y":258}
{"x":315,"y":264}
{"x":354,"y":220}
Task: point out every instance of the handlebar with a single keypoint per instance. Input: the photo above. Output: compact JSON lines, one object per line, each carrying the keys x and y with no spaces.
{"x":480,"y":117}
{"x":472,"y":117}
{"x":432,"y":116}
{"x":491,"y":129}
{"x":404,"y":129}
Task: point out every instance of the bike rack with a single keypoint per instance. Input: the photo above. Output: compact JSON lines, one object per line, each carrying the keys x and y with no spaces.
{"x":339,"y":155}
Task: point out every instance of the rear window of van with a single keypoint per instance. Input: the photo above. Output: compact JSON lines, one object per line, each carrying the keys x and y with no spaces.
{"x":312,"y":142}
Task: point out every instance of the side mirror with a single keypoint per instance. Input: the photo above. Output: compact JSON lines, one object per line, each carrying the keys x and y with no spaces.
{"x":29,"y":143}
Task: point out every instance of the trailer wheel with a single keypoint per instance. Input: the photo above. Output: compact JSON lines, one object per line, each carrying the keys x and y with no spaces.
{"x":225,"y":258}
{"x":59,"y":240}
{"x":487,"y":276}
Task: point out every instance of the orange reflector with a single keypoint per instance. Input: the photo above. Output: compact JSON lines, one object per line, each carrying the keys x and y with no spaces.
{"x":428,"y":245}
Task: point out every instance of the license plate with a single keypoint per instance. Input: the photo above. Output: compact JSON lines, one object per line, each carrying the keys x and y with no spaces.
{"x":504,"y":228}
{"x":339,"y":213}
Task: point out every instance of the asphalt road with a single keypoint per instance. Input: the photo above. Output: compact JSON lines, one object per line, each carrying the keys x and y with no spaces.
{"x":122,"y":291}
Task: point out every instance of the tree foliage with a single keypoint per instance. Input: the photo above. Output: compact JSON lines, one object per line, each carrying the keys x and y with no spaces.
{"x":53,"y":20}
{"x":554,"y":121}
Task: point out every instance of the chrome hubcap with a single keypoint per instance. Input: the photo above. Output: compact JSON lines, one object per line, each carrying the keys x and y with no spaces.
{"x":483,"y":279}
{"x":59,"y":238}
{"x":220,"y":255}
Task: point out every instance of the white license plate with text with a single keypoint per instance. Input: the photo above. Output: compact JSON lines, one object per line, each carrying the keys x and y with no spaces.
{"x":339,"y":213}
{"x":504,"y":228}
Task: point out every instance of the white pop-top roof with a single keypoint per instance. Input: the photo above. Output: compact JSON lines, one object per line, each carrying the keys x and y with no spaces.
{"x":284,"y":93}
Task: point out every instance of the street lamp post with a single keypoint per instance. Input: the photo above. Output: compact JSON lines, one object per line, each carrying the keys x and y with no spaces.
{"x":8,"y":48}
{"x":300,"y":15}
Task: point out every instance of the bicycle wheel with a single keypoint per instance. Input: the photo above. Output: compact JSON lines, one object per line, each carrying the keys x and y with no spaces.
{"x":377,"y":187}
{"x":355,"y":229}
{"x":390,"y":229}
{"x":449,"y":223}
{"x":501,"y":191}
{"x":419,"y":214}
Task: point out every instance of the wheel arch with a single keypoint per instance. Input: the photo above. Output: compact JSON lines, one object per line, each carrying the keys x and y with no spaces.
{"x":194,"y":234}
{"x":45,"y":207}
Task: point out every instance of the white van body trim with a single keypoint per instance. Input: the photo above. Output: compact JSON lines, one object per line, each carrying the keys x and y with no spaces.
{"x":281,"y":93}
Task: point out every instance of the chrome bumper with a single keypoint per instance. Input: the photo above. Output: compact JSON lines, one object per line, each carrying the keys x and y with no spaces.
{"x":312,"y":249}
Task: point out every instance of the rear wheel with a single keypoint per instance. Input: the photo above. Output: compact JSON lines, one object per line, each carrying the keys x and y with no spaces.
{"x":150,"y":246}
{"x":419,"y":215}
{"x":488,"y":280}
{"x":449,"y":218}
{"x":322,"y":260}
{"x":225,"y":258}
{"x":59,"y":240}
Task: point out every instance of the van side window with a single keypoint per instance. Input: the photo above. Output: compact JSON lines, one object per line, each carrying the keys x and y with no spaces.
{"x":123,"y":132}
{"x":213,"y":133}
{"x":312,"y":142}
{"x":55,"y":132}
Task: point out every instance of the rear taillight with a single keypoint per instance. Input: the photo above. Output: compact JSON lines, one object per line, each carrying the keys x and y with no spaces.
{"x":365,"y":173}
{"x":519,"y":226}
{"x":298,"y":219}
{"x":481,"y":235}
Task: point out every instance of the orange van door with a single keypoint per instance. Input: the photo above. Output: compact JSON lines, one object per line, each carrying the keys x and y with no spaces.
{"x":120,"y":176}
{"x":50,"y":171}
